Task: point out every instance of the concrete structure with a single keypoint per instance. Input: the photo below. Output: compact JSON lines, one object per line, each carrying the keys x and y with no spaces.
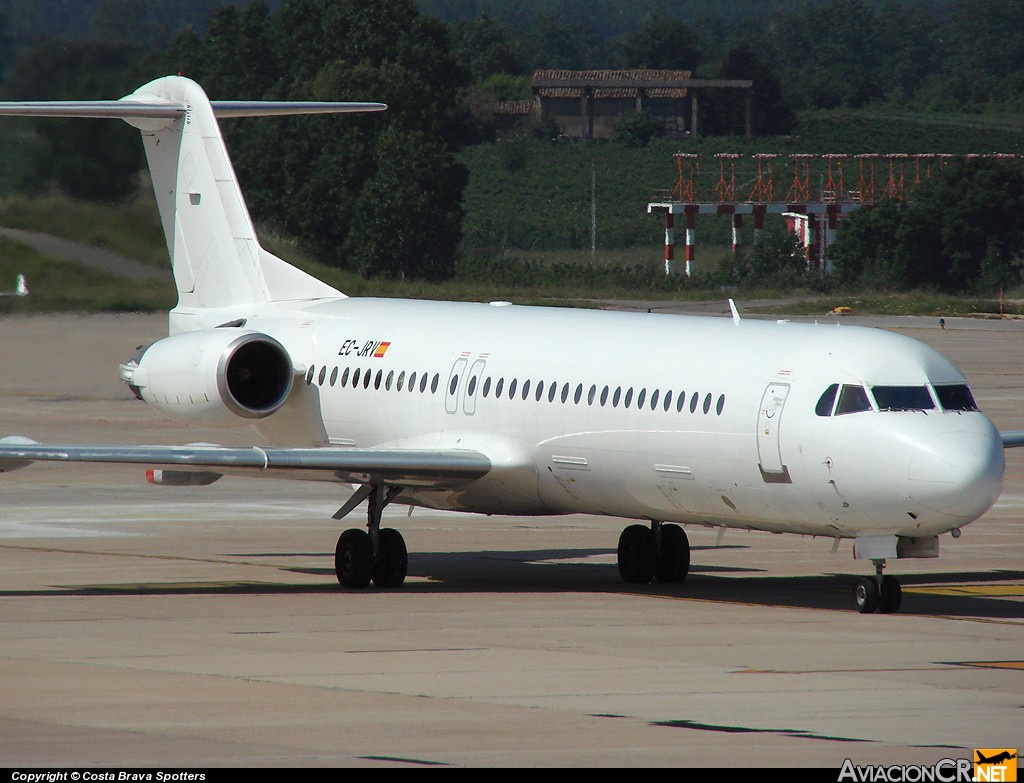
{"x":588,"y":104}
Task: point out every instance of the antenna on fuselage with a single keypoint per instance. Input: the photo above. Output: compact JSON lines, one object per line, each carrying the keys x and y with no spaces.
{"x":735,"y":312}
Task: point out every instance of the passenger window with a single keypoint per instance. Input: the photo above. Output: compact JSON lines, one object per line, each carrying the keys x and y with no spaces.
{"x":472,"y":386}
{"x":721,"y":404}
{"x":499,"y":386}
{"x":615,"y":397}
{"x":512,"y":388}
{"x":334,"y":376}
{"x":591,"y":395}
{"x":852,"y":399}
{"x":454,"y":384}
{"x":389,"y":381}
{"x":540,"y":390}
{"x":412,"y":381}
{"x":654,"y":399}
{"x":323,"y":375}
{"x":487,"y":386}
{"x":956,"y":398}
{"x":694,"y":399}
{"x":578,"y":394}
{"x":828,"y":397}
{"x":435,"y":381}
{"x":640,"y":398}
{"x":668,"y":400}
{"x":367,"y":378}
{"x":401,"y":381}
{"x":376,"y":381}
{"x":355,"y":378}
{"x":604,"y":396}
{"x":423,"y":383}
{"x":565,"y":392}
{"x":552,"y":391}
{"x":629,"y":397}
{"x":680,"y":402}
{"x":707,"y":403}
{"x":309,"y":374}
{"x":344,"y":377}
{"x":903,"y":398}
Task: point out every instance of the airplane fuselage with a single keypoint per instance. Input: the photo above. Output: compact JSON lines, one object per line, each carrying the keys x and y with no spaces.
{"x":661,"y":417}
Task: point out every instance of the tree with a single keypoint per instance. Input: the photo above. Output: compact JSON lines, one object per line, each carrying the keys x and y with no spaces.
{"x":770,"y":113}
{"x":963,"y":231}
{"x":636,"y":129}
{"x":409,"y":212}
{"x":90,"y":159}
{"x":320,"y":177}
{"x":662,"y":43}
{"x":484,"y":46}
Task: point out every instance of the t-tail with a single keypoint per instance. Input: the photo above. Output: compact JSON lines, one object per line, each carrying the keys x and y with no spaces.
{"x":216,"y":258}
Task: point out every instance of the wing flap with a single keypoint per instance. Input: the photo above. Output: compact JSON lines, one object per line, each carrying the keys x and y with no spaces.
{"x":411,"y":467}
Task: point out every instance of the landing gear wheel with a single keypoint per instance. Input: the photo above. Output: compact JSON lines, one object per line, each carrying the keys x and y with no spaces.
{"x":892,"y":595}
{"x":353,"y":559}
{"x":865,"y":595}
{"x":637,"y":554}
{"x":392,"y":559}
{"x":673,"y":560}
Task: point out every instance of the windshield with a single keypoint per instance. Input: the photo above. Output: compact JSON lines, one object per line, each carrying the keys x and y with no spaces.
{"x":903,"y":398}
{"x":956,"y":398}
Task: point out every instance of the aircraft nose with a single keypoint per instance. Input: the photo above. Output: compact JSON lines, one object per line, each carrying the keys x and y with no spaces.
{"x":958,"y":473}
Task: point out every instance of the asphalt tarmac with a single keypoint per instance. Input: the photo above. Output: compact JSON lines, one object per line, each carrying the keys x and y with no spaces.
{"x":191,"y":627}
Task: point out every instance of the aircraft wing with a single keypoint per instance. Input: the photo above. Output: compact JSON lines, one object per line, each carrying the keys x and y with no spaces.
{"x":1012,"y":438}
{"x":428,"y":468}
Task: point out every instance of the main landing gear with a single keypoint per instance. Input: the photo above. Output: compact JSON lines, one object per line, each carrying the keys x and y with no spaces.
{"x":878,"y":593}
{"x":377,"y":554}
{"x":659,"y":552}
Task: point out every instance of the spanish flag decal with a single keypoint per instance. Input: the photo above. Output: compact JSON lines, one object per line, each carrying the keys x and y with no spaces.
{"x":382,"y":348}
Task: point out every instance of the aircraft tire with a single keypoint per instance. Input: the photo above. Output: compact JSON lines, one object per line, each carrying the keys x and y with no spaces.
{"x":865,"y":595}
{"x":637,"y":554}
{"x":892,"y":595}
{"x":353,"y":559}
{"x":392,"y":559}
{"x":674,"y":555}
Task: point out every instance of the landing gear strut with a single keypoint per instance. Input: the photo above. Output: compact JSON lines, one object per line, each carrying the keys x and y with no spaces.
{"x":373,"y":554}
{"x":660,"y":551}
{"x":879,"y":593}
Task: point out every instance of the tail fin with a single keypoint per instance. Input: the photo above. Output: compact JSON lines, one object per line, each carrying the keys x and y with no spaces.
{"x":215,"y":255}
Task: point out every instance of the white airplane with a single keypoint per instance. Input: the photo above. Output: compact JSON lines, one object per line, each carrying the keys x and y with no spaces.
{"x":835,"y":431}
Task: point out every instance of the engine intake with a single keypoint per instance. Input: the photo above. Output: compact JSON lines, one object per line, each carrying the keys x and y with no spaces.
{"x":214,"y":375}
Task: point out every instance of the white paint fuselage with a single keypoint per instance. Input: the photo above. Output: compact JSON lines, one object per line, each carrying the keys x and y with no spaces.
{"x":746,"y":449}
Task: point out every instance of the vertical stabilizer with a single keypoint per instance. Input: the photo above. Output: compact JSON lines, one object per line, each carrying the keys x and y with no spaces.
{"x":215,"y":255}
{"x":216,"y":258}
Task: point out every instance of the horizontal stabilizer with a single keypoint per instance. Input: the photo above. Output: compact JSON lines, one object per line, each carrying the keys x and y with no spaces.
{"x":125,"y":109}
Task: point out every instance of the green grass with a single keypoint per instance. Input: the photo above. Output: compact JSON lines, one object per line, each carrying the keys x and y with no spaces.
{"x":910,"y":303}
{"x":56,"y":285}
{"x":131,"y":229}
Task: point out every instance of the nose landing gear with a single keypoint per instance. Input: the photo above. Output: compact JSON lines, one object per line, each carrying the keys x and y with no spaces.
{"x":879,"y":593}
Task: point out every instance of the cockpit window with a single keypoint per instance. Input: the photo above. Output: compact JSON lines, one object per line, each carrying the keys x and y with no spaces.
{"x":903,"y":398}
{"x":852,"y":399}
{"x":956,"y":398}
{"x":827,"y":399}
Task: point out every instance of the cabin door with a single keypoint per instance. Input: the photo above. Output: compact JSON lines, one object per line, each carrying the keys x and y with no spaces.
{"x":769,"y":419}
{"x":455,"y":381}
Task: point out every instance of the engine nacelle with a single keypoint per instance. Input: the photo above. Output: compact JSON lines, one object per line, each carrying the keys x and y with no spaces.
{"x":216,"y":376}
